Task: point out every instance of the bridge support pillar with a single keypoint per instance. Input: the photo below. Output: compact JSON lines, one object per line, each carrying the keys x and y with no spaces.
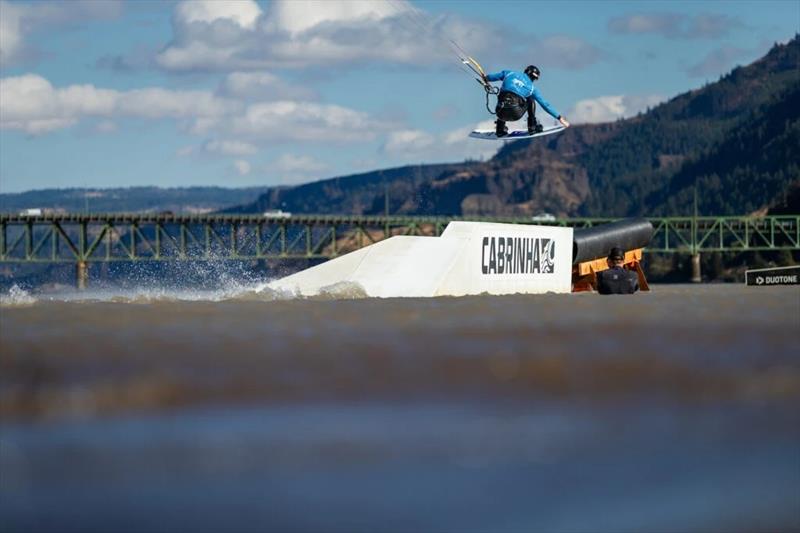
{"x":82,"y":275}
{"x":696,"y":274}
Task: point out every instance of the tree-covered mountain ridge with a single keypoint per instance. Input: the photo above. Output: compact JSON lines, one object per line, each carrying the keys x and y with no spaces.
{"x":736,"y":140}
{"x":147,"y":199}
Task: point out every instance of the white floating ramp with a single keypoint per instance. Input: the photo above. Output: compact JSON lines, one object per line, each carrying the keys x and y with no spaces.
{"x":468,"y":258}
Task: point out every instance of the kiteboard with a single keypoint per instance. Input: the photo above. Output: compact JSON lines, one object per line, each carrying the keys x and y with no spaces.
{"x":514,"y":135}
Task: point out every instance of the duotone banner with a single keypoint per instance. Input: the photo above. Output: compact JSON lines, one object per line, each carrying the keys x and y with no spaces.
{"x":765,"y":277}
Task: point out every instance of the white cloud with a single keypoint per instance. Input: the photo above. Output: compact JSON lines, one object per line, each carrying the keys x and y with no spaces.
{"x":600,"y":109}
{"x":667,"y":24}
{"x":229,"y":147}
{"x":30,"y":103}
{"x":185,"y":151}
{"x":722,"y":59}
{"x":676,"y":25}
{"x":610,"y":108}
{"x":209,"y":34}
{"x":408,"y":141}
{"x":287,"y":120}
{"x":712,"y":26}
{"x":454,"y":145}
{"x":242,"y":167}
{"x":106,"y":126}
{"x":19,"y":21}
{"x":195,"y":56}
{"x":159,"y":103}
{"x":364,"y":163}
{"x":327,"y":33}
{"x":263,"y":86}
{"x":445,"y":112}
{"x":298,"y":16}
{"x":303,"y":33}
{"x":244,"y":13}
{"x":298,"y":164}
{"x":292,"y":169}
{"x":564,"y":51}
{"x":10,"y":31}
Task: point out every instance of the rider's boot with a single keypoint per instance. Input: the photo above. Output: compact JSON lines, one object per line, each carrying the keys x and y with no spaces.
{"x":500,"y":128}
{"x":534,"y":126}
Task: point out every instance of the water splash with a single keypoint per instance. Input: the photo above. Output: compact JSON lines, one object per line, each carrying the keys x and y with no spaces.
{"x":227,"y":289}
{"x":147,"y":283}
{"x":342,"y":290}
{"x":16,"y":297}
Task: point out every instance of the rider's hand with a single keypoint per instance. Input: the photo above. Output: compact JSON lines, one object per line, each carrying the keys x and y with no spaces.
{"x":564,"y":122}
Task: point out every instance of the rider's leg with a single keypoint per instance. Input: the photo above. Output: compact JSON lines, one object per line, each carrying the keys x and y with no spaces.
{"x":533,"y":125}
{"x":508,"y":109}
{"x":500,"y":111}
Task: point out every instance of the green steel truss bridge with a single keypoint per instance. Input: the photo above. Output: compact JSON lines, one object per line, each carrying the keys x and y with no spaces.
{"x":82,"y":238}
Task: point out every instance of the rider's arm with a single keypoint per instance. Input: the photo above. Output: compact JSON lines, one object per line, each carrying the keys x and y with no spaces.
{"x":545,"y":104}
{"x":634,"y":280}
{"x":499,"y":76}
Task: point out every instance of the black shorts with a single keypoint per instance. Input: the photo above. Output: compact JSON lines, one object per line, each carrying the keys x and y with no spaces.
{"x":510,"y":106}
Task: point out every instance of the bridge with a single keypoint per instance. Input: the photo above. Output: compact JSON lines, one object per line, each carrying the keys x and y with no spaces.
{"x":84,"y":238}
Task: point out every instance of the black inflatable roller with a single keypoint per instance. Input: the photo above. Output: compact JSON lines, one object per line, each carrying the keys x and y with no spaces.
{"x":596,"y":242}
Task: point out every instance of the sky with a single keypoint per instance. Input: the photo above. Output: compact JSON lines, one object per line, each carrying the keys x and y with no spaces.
{"x":234,"y":93}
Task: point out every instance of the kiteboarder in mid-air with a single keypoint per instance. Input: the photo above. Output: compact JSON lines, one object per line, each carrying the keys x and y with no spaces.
{"x":517,"y":96}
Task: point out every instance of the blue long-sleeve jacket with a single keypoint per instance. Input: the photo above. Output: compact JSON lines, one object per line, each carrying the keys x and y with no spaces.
{"x":519,"y":83}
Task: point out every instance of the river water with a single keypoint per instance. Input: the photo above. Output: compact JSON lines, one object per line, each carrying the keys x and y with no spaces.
{"x":244,"y":410}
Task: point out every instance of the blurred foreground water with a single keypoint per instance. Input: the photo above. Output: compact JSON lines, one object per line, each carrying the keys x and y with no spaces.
{"x":242,"y":410}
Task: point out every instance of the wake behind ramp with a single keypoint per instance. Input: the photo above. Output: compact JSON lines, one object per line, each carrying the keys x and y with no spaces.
{"x":468,"y":258}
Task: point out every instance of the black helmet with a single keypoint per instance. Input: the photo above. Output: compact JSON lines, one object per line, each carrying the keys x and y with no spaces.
{"x":533,"y":72}
{"x":616,"y":254}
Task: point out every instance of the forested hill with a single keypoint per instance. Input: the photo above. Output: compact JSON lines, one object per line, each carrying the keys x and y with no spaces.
{"x":736,"y":138}
{"x":731,"y":135}
{"x":360,"y":194}
{"x":129,"y":199}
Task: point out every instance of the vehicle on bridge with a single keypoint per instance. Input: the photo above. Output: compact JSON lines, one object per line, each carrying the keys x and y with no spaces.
{"x":277,"y":213}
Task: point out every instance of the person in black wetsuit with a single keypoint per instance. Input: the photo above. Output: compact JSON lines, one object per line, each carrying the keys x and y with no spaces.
{"x":518,"y":96}
{"x":617,"y":280}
